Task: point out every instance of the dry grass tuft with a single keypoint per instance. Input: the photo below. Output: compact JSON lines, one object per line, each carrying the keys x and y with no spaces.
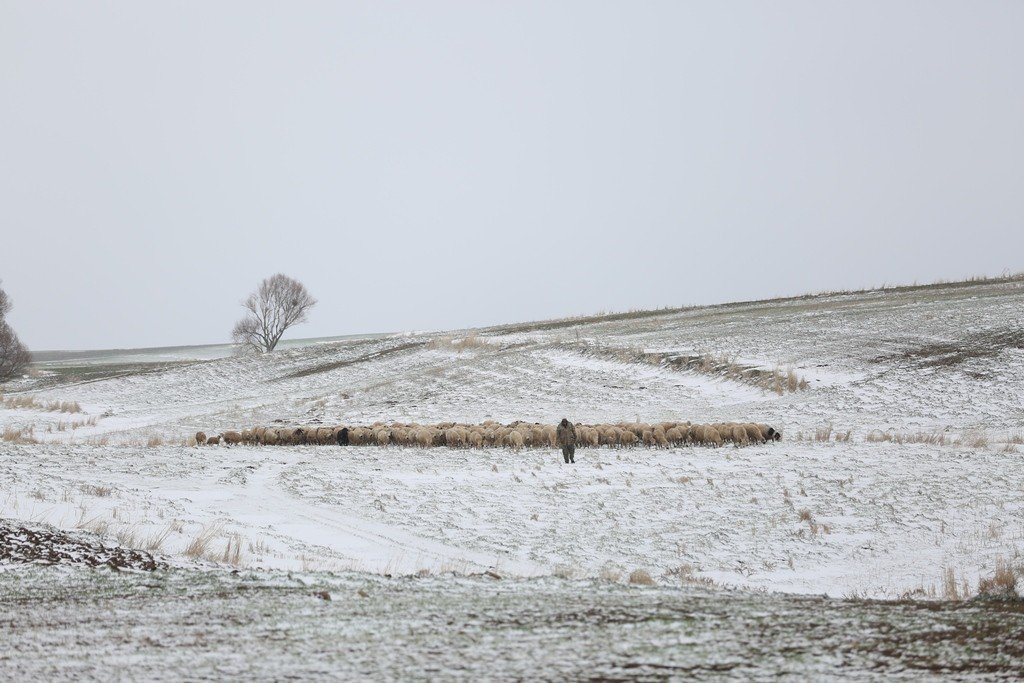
{"x":30,"y":403}
{"x":155,"y":542}
{"x":199,"y":546}
{"x":640,"y":577}
{"x":564,"y":571}
{"x":950,"y":590}
{"x":973,"y":440}
{"x":935,"y":438}
{"x":805,"y":515}
{"x":127,"y":537}
{"x":19,"y":435}
{"x":687,"y":574}
{"x":97,"y":491}
{"x":953,"y":589}
{"x":471,"y":342}
{"x":232,"y":551}
{"x":723,"y":365}
{"x":1003,"y":583}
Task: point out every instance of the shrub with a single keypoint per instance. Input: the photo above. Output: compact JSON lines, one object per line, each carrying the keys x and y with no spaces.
{"x":640,"y":577}
{"x":1003,"y":583}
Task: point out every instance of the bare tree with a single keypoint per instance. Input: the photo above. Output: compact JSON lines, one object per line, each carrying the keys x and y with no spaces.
{"x":5,"y":303}
{"x":277,"y":304}
{"x":14,"y":356}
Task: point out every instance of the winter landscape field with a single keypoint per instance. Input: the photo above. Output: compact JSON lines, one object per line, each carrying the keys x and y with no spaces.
{"x":880,"y":537}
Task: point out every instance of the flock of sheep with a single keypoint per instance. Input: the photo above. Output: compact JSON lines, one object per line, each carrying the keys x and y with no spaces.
{"x":515,"y":435}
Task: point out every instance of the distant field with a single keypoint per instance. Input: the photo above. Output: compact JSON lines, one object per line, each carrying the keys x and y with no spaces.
{"x":169,"y":354}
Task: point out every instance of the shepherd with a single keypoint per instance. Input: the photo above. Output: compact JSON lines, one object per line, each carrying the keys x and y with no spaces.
{"x":565,"y":434}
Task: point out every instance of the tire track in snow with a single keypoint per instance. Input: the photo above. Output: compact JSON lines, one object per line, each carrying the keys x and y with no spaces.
{"x":376,"y":545}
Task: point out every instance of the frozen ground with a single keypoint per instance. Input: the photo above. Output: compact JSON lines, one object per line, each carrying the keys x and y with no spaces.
{"x":877,"y":527}
{"x":93,"y":625}
{"x":853,"y":518}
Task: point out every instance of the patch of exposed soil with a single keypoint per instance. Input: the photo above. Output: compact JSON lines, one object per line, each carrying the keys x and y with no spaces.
{"x":45,"y":545}
{"x":950,"y":353}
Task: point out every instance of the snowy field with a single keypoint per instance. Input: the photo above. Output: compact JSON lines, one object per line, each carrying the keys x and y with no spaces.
{"x":214,"y":626}
{"x":900,"y":474}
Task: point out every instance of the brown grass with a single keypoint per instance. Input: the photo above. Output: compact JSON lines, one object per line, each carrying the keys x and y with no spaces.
{"x":24,"y":402}
{"x":97,"y":491}
{"x":471,"y":342}
{"x":935,"y":438}
{"x":950,"y":589}
{"x":775,"y":380}
{"x":232,"y":551}
{"x":199,"y":546}
{"x":1002,"y":583}
{"x":155,"y":542}
{"x":19,"y":435}
{"x":640,"y":577}
{"x":127,"y":537}
{"x":973,"y":440}
{"x":687,"y":574}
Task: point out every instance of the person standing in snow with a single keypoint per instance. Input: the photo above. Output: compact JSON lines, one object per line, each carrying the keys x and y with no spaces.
{"x":565,"y":434}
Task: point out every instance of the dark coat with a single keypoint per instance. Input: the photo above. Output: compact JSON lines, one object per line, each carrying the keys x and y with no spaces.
{"x":566,"y":435}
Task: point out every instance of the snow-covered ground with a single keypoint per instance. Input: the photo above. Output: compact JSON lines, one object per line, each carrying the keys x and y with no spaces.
{"x":198,"y":626}
{"x":857,"y":517}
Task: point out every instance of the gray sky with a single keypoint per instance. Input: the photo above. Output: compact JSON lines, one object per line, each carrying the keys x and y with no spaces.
{"x":431,"y":165}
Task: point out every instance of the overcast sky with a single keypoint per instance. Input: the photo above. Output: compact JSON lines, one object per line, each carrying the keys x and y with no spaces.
{"x":430,"y":165}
